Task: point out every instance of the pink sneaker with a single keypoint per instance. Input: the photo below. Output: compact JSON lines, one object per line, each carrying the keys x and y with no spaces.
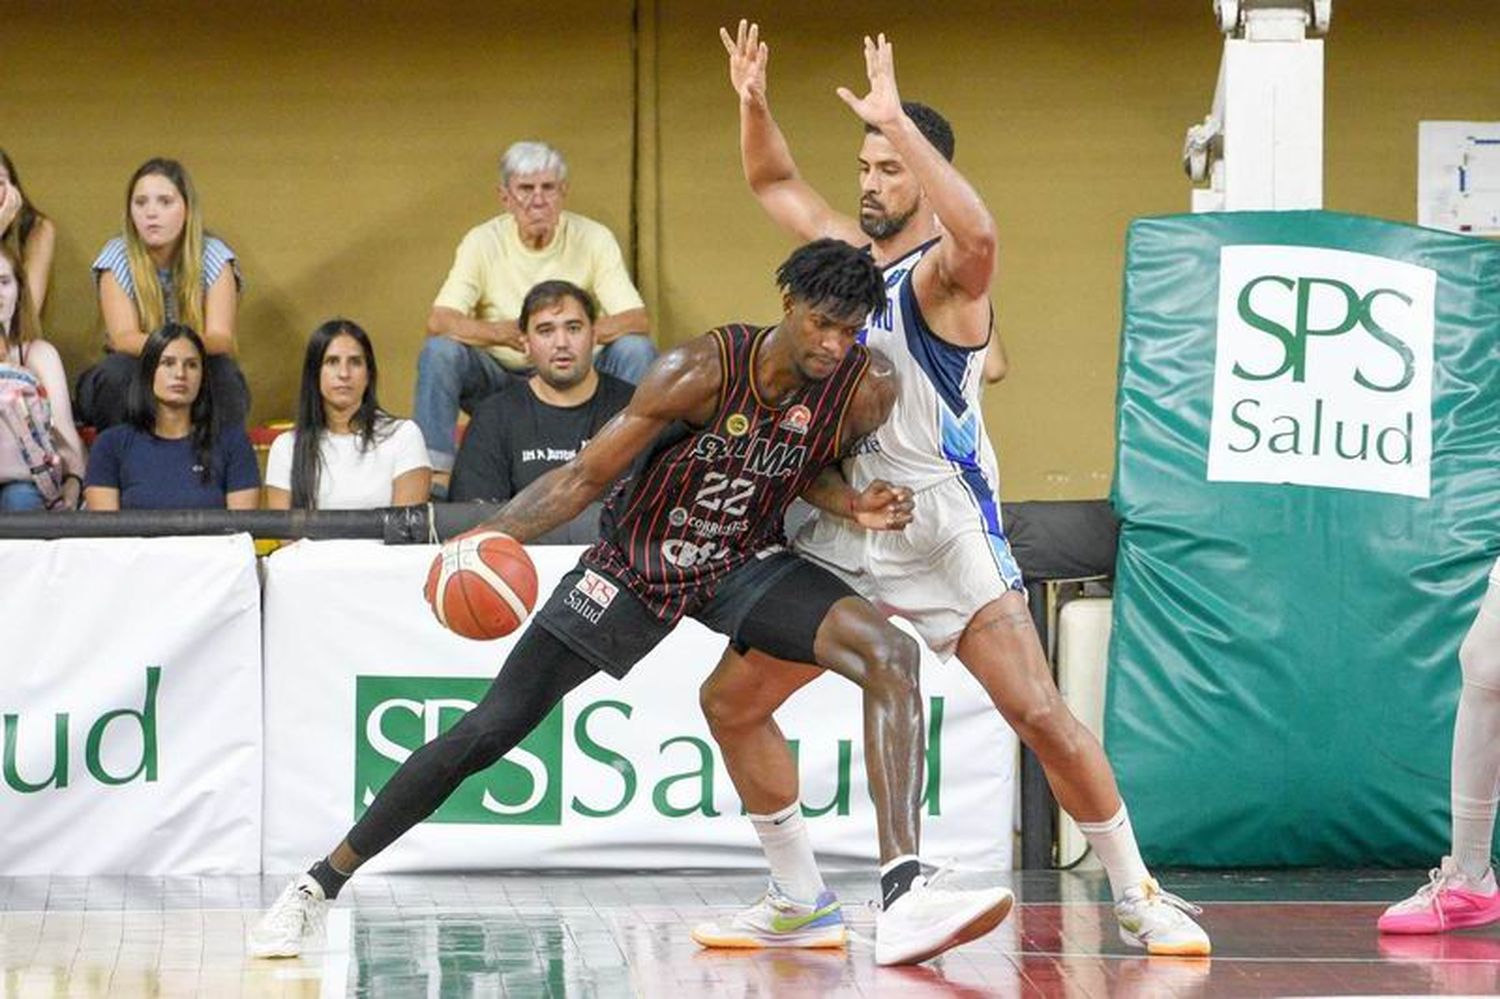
{"x":1449,"y":901}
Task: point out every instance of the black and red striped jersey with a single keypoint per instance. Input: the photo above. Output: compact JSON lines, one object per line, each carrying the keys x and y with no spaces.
{"x":708,"y":499}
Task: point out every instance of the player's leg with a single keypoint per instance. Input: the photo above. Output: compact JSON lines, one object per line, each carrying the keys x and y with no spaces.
{"x":1000,"y":647}
{"x":1461,"y":891}
{"x":536,"y":675}
{"x":797,"y":910}
{"x":738,"y":700}
{"x":851,"y":638}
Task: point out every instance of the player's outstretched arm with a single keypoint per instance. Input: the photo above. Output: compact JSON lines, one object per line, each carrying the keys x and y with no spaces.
{"x":879,"y":506}
{"x":767,"y":159}
{"x":966,"y":258}
{"x":683,"y":384}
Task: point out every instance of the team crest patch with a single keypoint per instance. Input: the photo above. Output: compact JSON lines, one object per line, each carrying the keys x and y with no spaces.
{"x":598,"y":589}
{"x":797,"y":418}
{"x":737,"y":424}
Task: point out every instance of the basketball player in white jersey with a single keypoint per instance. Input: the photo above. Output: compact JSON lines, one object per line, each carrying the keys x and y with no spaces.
{"x":1461,"y":892}
{"x":950,"y":572}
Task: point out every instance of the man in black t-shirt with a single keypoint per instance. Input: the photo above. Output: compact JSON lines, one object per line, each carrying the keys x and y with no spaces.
{"x":527,"y":429}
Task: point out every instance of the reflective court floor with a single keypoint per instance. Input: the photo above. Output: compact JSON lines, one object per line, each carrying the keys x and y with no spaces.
{"x":626,"y":934}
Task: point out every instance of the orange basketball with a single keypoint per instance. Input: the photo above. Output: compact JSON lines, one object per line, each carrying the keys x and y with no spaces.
{"x":481,"y":585}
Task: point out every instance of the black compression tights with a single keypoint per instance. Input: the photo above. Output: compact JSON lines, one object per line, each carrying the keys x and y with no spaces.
{"x":536,"y":675}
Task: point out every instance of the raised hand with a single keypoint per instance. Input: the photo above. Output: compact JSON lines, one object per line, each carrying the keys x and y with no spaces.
{"x":10,"y":204}
{"x":882,"y":105}
{"x":883,"y":507}
{"x":748,"y":56}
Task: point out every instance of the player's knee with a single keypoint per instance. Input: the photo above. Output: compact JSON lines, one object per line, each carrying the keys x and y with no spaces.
{"x":724,"y":711}
{"x":1048,"y":727}
{"x":892,"y":661}
{"x":439,"y":356}
{"x":1479,"y":655}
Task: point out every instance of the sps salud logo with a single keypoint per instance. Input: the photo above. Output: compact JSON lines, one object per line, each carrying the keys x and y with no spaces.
{"x":1323,"y":373}
{"x":398,"y":714}
{"x":613,"y":765}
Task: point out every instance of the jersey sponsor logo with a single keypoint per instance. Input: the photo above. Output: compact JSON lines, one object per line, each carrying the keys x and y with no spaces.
{"x":598,"y":589}
{"x":714,"y":529}
{"x":797,"y":418}
{"x":759,"y":454}
{"x":585,"y":607}
{"x":687,"y":554}
{"x":677,"y":517}
{"x":737,"y":425}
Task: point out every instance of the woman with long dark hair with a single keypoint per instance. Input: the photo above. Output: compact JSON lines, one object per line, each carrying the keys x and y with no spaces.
{"x":30,"y":235}
{"x":164,"y":268}
{"x":346,"y":453}
{"x":171,"y":453}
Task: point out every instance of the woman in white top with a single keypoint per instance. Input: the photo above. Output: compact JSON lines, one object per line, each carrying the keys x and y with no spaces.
{"x":346,"y":453}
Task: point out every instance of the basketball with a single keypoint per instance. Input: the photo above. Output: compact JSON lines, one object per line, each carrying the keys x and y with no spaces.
{"x":481,"y":585}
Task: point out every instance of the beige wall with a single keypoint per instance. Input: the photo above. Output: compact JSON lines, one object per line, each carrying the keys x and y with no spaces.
{"x":344,"y":155}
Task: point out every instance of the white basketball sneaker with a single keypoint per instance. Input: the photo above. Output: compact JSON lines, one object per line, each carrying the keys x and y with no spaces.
{"x":298,"y":914}
{"x":931,"y":918}
{"x":1160,"y":922}
{"x":777,"y":921}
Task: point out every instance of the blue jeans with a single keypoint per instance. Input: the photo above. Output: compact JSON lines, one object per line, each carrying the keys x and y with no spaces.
{"x":452,"y":376}
{"x":627,"y":358}
{"x":18,"y":496}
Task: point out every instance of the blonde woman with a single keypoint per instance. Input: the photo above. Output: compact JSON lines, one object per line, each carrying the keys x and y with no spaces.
{"x":164,"y":269}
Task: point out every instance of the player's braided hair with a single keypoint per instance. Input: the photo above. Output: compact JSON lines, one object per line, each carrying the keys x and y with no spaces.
{"x":831,"y":275}
{"x":933,"y":126}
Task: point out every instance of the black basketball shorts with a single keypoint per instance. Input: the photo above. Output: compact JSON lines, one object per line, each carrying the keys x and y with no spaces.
{"x":775,"y":603}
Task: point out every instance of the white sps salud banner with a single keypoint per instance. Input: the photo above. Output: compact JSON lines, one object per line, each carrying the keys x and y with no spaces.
{"x":624,"y":775}
{"x":131,"y":706}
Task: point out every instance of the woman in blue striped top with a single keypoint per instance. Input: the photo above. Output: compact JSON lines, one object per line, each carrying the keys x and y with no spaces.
{"x":164,"y":269}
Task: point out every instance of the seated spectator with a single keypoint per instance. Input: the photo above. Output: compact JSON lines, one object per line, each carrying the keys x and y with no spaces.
{"x":474,"y":342}
{"x":30,"y":235}
{"x":346,"y":453}
{"x":532,"y":427}
{"x":21,"y":347}
{"x":171,"y":454}
{"x":164,"y":269}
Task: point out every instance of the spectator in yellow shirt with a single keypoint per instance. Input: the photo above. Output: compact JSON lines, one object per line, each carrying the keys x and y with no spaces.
{"x":474,"y":344}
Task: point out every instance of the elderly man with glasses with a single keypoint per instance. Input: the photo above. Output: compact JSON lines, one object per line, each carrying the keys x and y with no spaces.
{"x":474,"y":344}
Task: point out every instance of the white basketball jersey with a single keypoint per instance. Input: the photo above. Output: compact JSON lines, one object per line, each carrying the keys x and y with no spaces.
{"x":936,"y":430}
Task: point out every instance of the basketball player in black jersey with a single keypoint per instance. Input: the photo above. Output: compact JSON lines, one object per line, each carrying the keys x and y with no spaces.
{"x":735,"y":424}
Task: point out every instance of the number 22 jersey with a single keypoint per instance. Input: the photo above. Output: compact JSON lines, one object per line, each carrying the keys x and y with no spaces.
{"x":709,"y":499}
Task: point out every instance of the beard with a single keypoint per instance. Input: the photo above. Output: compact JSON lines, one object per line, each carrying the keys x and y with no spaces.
{"x":562,"y":381}
{"x":884,"y":226}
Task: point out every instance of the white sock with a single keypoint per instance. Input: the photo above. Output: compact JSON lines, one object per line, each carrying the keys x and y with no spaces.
{"x":1476,"y":765}
{"x":783,"y":836}
{"x":1476,"y":741}
{"x":1114,"y":844}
